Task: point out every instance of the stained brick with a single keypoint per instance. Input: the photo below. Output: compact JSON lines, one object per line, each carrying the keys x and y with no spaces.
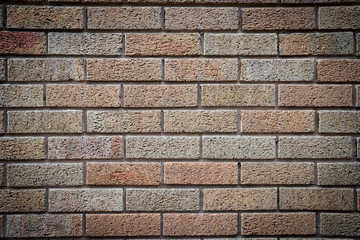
{"x":22,"y":201}
{"x":23,"y":43}
{"x":22,"y":148}
{"x":339,"y":17}
{"x":339,"y":122}
{"x":338,"y":174}
{"x":335,"y":70}
{"x":21,"y":95}
{"x":340,"y":224}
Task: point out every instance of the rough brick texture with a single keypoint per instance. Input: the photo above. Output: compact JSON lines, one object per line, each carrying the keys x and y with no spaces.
{"x":22,"y":200}
{"x":338,"y":70}
{"x":27,"y":43}
{"x":21,"y":95}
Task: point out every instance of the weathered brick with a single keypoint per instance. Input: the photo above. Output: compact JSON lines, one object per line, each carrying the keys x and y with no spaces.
{"x":162,"y":147}
{"x":240,"y":44}
{"x":228,"y":147}
{"x":340,"y":224}
{"x":335,"y":70}
{"x":60,"y":95}
{"x":23,"y":43}
{"x":338,"y":174}
{"x":277,"y":173}
{"x":2,"y":171}
{"x":109,"y":225}
{"x":123,"y":69}
{"x":315,"y":95}
{"x":198,"y":70}
{"x":315,"y":147}
{"x":339,"y":17}
{"x":44,"y":174}
{"x":278,"y":223}
{"x":148,"y":199}
{"x":155,"y":44}
{"x":160,"y":95}
{"x":260,"y":19}
{"x":21,"y":95}
{"x":85,"y":43}
{"x":232,"y":199}
{"x":38,"y":17}
{"x":85,"y":147}
{"x":123,"y":174}
{"x":2,"y":69}
{"x":124,"y":18}
{"x":237,"y":95}
{"x":22,"y":148}
{"x":200,"y":224}
{"x":44,"y":225}
{"x":201,"y":173}
{"x":339,"y":122}
{"x":22,"y":201}
{"x":340,"y":43}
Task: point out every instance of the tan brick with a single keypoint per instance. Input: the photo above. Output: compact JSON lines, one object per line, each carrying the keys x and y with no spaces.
{"x":277,"y":173}
{"x":339,"y":122}
{"x":124,"y":18}
{"x":38,"y":17}
{"x":270,"y":121}
{"x":21,"y":95}
{"x":315,"y":95}
{"x":85,"y":147}
{"x":315,"y":147}
{"x":123,"y":174}
{"x":240,"y":44}
{"x":85,"y":43}
{"x":160,"y":95}
{"x":162,"y":147}
{"x":22,"y":148}
{"x":238,"y":147}
{"x":2,"y":172}
{"x":45,"y":69}
{"x":112,"y":225}
{"x":149,"y":199}
{"x":340,"y":224}
{"x":82,"y":95}
{"x":237,"y":95}
{"x":12,"y":201}
{"x":278,"y":223}
{"x":193,"y":18}
{"x":155,"y":44}
{"x":340,"y":43}
{"x":2,"y":68}
{"x":44,"y":225}
{"x":338,"y":174}
{"x":339,"y":17}
{"x":335,"y":70}
{"x":23,"y":43}
{"x":198,"y":70}
{"x":232,"y":199}
{"x":201,"y":173}
{"x":123,"y":69}
{"x":316,"y":199}
{"x":260,"y":19}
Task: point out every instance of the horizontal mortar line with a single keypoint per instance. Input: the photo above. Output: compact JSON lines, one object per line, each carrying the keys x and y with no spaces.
{"x":174,"y":82}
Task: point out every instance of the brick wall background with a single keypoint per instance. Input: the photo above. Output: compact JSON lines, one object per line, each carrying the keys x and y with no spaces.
{"x":180,"y":118}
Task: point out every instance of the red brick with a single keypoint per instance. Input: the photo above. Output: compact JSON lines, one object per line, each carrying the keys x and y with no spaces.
{"x":23,"y":43}
{"x":334,"y":70}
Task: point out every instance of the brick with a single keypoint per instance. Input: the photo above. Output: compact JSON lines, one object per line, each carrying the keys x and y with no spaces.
{"x":135,"y":18}
{"x":82,"y":95}
{"x":316,"y":199}
{"x":109,"y":225}
{"x":21,"y":95}
{"x":339,"y":17}
{"x":2,"y":69}
{"x":334,"y":70}
{"x":239,"y":44}
{"x":160,"y":96}
{"x":201,"y":173}
{"x":1,"y":226}
{"x":85,"y":147}
{"x":232,"y":199}
{"x":2,"y":122}
{"x":123,"y":174}
{"x":260,"y":19}
{"x":163,"y":1}
{"x":273,"y":121}
{"x":338,"y":43}
{"x":12,"y":201}
{"x":240,"y":1}
{"x":45,"y":174}
{"x":357,"y":97}
{"x":278,"y":223}
{"x":22,"y":148}
{"x":45,"y":69}
{"x":23,"y":43}
{"x":162,"y":147}
{"x":123,"y":69}
{"x":338,"y":174}
{"x":315,"y":95}
{"x":202,"y":121}
{"x":358,"y":44}
{"x":2,"y":171}
{"x":44,"y":225}
{"x":198,"y":70}
{"x":318,"y":1}
{"x":198,"y":224}
{"x":238,"y":147}
{"x":339,"y":122}
{"x":222,"y":95}
{"x":27,"y":17}
{"x":315,"y":147}
{"x":85,"y":43}
{"x":277,"y":70}
{"x":162,"y":199}
{"x":277,"y":173}
{"x":192,"y":18}
{"x":340,"y":224}
{"x":86,"y":1}
{"x":157,"y":44}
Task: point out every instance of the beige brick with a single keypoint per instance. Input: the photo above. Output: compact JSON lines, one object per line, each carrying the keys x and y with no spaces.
{"x":338,"y":174}
{"x":335,"y":70}
{"x":339,"y":122}
{"x":21,"y":95}
{"x":340,"y":224}
{"x":23,"y":43}
{"x":2,"y":172}
{"x":2,"y":66}
{"x":200,"y":173}
{"x":22,"y":148}
{"x":233,"y":199}
{"x":12,"y":201}
{"x":240,"y":44}
{"x":339,"y":17}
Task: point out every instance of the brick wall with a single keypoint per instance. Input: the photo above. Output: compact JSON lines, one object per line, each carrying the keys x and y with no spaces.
{"x":180,"y":119}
